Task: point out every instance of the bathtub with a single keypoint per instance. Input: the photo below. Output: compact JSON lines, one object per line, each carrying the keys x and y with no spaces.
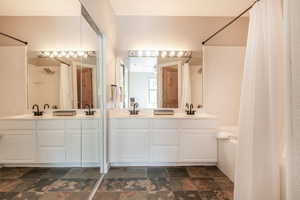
{"x":227,"y":147}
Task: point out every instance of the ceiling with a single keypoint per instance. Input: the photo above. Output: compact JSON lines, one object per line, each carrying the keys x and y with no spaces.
{"x":39,"y":8}
{"x":179,"y":7}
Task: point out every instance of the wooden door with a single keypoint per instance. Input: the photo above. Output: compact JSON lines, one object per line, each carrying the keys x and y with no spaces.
{"x":85,"y":87}
{"x":170,"y":87}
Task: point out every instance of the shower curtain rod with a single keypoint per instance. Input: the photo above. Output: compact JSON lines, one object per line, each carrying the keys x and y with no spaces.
{"x":229,"y":23}
{"x":14,"y":38}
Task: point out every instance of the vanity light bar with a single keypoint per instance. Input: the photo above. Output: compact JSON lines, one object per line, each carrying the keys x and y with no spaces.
{"x":160,"y":53}
{"x":67,"y":54}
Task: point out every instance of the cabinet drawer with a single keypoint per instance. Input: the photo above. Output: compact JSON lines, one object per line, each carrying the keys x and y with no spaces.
{"x":17,"y":146}
{"x":198,"y":124}
{"x":130,"y":123}
{"x":165,"y":124}
{"x":51,"y":138}
{"x":50,"y":124}
{"x":17,"y":125}
{"x":164,"y":154}
{"x":165,"y":137}
{"x":73,"y":124}
{"x":90,"y":124}
{"x":51,"y":155}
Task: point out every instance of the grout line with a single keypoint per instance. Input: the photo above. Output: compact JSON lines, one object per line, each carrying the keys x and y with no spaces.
{"x":94,"y":191}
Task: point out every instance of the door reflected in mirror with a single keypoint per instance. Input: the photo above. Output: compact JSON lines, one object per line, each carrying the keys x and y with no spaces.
{"x":156,"y":82}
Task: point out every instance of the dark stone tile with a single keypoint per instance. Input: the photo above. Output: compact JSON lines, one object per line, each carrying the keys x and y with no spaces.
{"x":133,"y":195}
{"x":177,"y":172}
{"x":161,"y":196}
{"x":213,"y":171}
{"x":36,"y":173}
{"x":197,"y":172}
{"x":83,"y":173}
{"x":127,"y":185}
{"x":29,"y":196}
{"x":208,"y":195}
{"x":112,"y":185}
{"x":107,"y":196}
{"x":224,"y":183}
{"x":72,"y":185}
{"x":186,"y":195}
{"x":7,"y":195}
{"x":13,"y":172}
{"x":65,"y":196}
{"x":16,"y":185}
{"x":127,"y":172}
{"x":55,"y":173}
{"x":157,"y":172}
{"x":42,"y":185}
{"x":182,"y":184}
{"x":227,"y":195}
{"x":206,"y":184}
{"x":162,"y":184}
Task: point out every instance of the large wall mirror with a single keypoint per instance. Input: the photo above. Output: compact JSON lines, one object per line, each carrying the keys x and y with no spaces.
{"x":63,"y":56}
{"x":162,"y":81}
{"x":64,"y":73}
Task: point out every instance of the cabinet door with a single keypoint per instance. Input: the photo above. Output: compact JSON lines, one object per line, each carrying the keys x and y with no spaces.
{"x":198,"y":146}
{"x":83,"y":147}
{"x":51,"y":146}
{"x":17,"y":146}
{"x":129,"y":145}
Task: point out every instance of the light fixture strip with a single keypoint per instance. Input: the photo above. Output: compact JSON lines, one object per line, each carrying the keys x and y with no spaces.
{"x":160,"y":53}
{"x":66,"y":54}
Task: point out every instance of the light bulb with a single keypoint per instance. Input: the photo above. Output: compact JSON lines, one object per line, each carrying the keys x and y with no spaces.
{"x":164,"y":54}
{"x":80,"y":53}
{"x":55,"y":53}
{"x":172,"y":53}
{"x":140,"y":53}
{"x":180,"y":54}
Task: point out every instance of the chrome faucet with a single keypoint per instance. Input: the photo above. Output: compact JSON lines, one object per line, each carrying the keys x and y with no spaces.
{"x":89,"y":112}
{"x":134,"y":111}
{"x":189,"y":110}
{"x":46,"y":106}
{"x":37,"y":112}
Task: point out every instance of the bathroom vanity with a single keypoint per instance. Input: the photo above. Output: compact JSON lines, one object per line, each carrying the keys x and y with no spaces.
{"x":146,"y":140}
{"x":50,"y":141}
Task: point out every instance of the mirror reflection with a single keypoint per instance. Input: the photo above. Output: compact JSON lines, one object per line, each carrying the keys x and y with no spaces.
{"x":66,"y":81}
{"x":162,"y":82}
{"x":63,"y":74}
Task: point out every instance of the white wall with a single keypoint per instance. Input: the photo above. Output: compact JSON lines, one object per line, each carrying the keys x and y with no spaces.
{"x":223,"y":73}
{"x":292,"y":75}
{"x":102,"y":13}
{"x":162,"y":32}
{"x":196,"y":80}
{"x":13,"y":88}
{"x":43,"y":87}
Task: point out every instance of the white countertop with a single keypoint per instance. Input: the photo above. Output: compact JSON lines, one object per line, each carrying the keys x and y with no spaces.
{"x":149,"y":115}
{"x":49,"y":116}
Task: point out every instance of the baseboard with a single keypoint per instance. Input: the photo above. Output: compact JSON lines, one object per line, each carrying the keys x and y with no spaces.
{"x":87,"y":165}
{"x":129,"y":164}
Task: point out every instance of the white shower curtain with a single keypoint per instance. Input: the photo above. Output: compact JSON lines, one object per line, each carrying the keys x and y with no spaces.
{"x":186,"y":85}
{"x":66,"y":87}
{"x":258,"y":162}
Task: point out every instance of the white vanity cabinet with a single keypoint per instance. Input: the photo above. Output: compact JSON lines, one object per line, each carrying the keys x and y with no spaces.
{"x":17,"y":141}
{"x":129,"y":140}
{"x":157,"y":141}
{"x":58,"y":142}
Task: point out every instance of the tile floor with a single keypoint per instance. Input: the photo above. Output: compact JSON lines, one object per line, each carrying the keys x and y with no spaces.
{"x":47,"y":183}
{"x":132,"y":183}
{"x":173,"y":183}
